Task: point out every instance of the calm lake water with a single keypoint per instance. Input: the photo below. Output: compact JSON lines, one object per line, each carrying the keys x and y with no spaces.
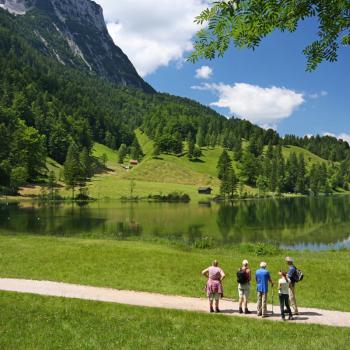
{"x":298,"y":223}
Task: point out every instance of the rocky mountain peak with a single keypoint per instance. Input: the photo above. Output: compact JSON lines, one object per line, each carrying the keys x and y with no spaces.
{"x":75,"y":34}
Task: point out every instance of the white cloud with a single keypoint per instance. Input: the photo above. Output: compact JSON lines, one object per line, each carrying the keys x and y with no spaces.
{"x":263,"y":106}
{"x":204,"y":72}
{"x":152,"y":33}
{"x":343,"y":136}
{"x":317,"y":95}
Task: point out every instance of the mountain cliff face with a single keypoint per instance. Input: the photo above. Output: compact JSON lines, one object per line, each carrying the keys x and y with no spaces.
{"x":75,"y":34}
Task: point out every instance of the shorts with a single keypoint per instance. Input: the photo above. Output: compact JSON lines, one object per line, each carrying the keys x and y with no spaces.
{"x":214,"y":296}
{"x":243,"y":292}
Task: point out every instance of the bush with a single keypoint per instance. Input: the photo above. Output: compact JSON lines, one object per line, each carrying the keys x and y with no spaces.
{"x":204,"y":243}
{"x":263,"y":249}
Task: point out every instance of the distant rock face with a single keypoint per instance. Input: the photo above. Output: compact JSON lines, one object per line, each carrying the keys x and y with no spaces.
{"x":74,"y":32}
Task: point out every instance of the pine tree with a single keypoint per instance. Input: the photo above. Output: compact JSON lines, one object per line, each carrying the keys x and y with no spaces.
{"x":224,"y":164}
{"x":269,"y":152}
{"x":249,"y":167}
{"x":237,"y":150}
{"x":314,"y":179}
{"x":122,"y":152}
{"x":72,"y":168}
{"x":200,"y":138}
{"x":191,"y":145}
{"x":197,"y":153}
{"x":301,"y":176}
{"x":86,"y":163}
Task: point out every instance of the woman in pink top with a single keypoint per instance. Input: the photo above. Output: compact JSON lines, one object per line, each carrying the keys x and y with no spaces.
{"x":214,"y":285}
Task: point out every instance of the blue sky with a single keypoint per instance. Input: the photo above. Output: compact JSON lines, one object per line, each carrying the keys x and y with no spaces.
{"x":268,"y":86}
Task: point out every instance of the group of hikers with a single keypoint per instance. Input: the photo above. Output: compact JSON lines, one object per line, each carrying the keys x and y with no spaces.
{"x":286,"y":287}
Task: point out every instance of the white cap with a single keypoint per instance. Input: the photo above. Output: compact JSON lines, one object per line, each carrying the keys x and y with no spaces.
{"x":289,"y":259}
{"x":245,"y":262}
{"x":263,"y":264}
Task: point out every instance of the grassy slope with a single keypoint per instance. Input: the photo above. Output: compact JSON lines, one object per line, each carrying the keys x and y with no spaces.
{"x":164,"y":175}
{"x":34,"y":322}
{"x":165,"y":269}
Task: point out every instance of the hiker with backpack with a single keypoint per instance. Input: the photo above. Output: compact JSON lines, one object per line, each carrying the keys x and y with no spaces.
{"x":213,"y":287}
{"x":243,"y":279}
{"x":262,"y":277}
{"x":294,"y":276}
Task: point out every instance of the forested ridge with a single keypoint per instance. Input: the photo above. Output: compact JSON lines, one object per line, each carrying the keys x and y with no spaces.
{"x":47,"y":108}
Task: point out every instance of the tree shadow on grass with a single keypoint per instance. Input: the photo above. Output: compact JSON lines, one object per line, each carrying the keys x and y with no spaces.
{"x":197,"y":161}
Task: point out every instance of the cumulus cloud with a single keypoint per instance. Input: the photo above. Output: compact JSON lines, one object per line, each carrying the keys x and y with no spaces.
{"x":152,"y":33}
{"x":260,"y":105}
{"x":342,"y":136}
{"x":204,"y":72}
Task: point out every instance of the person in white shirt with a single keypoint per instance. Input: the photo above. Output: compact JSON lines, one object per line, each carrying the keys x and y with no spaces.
{"x":283,"y":293}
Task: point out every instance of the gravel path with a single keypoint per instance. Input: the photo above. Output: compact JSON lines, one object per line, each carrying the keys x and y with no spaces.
{"x":228,"y":307}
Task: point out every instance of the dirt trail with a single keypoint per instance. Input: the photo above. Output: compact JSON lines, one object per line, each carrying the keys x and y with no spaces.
{"x":229,"y":308}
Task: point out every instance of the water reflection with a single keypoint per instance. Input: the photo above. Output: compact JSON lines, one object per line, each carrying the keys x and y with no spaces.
{"x":311,"y":223}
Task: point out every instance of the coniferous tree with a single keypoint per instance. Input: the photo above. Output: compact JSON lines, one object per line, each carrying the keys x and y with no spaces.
{"x":191,"y":145}
{"x":85,"y":164}
{"x":122,"y":152}
{"x":301,"y":176}
{"x":197,"y":153}
{"x":237,"y":150}
{"x":314,"y":179}
{"x":249,"y":167}
{"x":224,"y":164}
{"x":72,"y":168}
{"x":200,"y":138}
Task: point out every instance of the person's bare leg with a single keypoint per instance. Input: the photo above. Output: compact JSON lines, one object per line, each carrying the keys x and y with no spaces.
{"x":241,"y":300}
{"x":211,"y":305}
{"x":217,"y":305}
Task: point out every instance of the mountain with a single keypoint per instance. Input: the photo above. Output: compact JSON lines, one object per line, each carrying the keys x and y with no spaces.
{"x":53,"y":105}
{"x":75,"y":34}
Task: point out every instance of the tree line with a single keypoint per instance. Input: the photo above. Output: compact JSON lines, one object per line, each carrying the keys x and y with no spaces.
{"x":49,"y":110}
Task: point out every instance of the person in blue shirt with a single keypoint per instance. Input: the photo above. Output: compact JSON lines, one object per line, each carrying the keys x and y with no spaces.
{"x":291,"y":273}
{"x":262,"y":277}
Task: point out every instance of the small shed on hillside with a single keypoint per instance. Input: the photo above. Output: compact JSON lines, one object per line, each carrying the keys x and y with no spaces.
{"x":134,"y":162}
{"x":205,"y":190}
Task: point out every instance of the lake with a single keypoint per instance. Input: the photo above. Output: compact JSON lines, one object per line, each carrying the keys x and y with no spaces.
{"x":314,"y":223}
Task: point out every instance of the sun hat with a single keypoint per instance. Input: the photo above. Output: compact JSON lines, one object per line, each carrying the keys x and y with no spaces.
{"x":289,"y":259}
{"x":245,"y":262}
{"x":263,"y":264}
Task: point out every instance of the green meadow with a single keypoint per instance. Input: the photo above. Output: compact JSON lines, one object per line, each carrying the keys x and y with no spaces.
{"x":32,"y":322}
{"x":169,"y":269}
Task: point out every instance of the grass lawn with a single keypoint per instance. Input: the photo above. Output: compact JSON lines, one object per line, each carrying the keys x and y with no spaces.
{"x":34,"y":322}
{"x":135,"y":265}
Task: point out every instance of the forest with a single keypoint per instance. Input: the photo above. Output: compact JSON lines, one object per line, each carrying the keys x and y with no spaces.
{"x":50,"y":110}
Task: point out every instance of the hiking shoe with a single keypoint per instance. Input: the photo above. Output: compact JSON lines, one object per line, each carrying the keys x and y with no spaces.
{"x":247,"y":312}
{"x":240,"y":310}
{"x":296,"y":313}
{"x":217,"y":310}
{"x":259,"y":315}
{"x":211,"y":309}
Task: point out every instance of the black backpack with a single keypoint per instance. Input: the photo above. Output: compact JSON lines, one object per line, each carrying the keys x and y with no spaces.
{"x":242,"y":277}
{"x":297,"y":276}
